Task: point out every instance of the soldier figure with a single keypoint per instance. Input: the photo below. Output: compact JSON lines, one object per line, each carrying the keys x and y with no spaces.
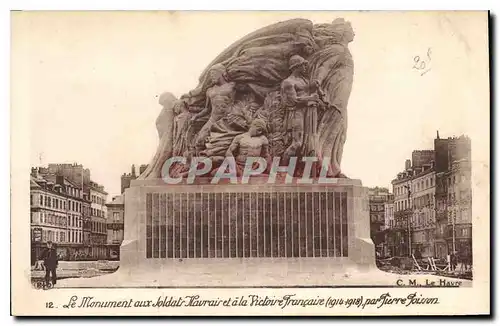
{"x":298,"y":94}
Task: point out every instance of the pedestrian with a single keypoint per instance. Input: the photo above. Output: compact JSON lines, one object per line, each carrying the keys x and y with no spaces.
{"x":417,"y":254}
{"x":468,"y":260}
{"x":453,"y":260}
{"x":50,"y":261}
{"x":461,"y":260}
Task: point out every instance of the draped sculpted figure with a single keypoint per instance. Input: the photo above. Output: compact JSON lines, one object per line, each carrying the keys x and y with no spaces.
{"x":292,"y":79}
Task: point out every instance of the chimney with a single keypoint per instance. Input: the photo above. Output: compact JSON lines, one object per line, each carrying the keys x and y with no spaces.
{"x":437,"y":134}
{"x":60,"y":179}
{"x":133,"y":170}
{"x":407,"y":164}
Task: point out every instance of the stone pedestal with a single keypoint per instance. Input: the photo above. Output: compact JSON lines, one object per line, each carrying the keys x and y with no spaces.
{"x":283,"y":229}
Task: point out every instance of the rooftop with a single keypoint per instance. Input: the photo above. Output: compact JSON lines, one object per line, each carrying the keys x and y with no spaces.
{"x":117,"y":200}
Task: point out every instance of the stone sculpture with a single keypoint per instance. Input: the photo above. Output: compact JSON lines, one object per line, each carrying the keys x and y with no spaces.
{"x":292,"y":79}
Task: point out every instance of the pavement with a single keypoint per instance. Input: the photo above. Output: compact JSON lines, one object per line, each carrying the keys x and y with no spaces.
{"x":79,"y":269}
{"x":257,"y":274}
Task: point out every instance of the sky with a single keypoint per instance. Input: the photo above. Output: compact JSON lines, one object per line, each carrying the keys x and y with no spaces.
{"x":85,"y":85}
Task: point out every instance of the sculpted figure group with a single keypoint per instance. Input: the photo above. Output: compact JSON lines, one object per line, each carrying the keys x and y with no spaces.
{"x":281,"y":91}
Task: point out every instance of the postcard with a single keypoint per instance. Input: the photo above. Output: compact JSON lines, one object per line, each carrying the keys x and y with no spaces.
{"x":250,"y":163}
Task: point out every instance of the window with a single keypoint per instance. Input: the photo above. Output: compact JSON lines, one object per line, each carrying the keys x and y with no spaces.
{"x":116,"y":216}
{"x":62,"y":237}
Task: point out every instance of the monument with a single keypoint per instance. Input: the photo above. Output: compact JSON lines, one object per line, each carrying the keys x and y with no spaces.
{"x":275,"y":104}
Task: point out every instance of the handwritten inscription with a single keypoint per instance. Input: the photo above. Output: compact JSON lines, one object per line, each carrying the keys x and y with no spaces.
{"x":423,"y":64}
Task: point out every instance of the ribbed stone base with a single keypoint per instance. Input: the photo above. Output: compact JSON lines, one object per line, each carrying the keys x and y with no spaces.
{"x":217,"y":233}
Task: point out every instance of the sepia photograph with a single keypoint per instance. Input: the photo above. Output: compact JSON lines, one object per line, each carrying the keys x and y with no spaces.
{"x":219,"y":163}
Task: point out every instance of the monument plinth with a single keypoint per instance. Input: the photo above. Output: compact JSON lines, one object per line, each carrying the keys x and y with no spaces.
{"x":239,"y":225}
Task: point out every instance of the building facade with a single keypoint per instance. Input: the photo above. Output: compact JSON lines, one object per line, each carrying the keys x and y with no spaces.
{"x":98,"y":215}
{"x":48,"y":215}
{"x":459,"y":208}
{"x":414,"y":198}
{"x":56,"y":214}
{"x":423,"y":222}
{"x":377,"y":197}
{"x":402,"y":215}
{"x":86,"y":224}
{"x":115,"y":225}
{"x":389,"y":242}
{"x":433,"y":201}
{"x":61,"y":199}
